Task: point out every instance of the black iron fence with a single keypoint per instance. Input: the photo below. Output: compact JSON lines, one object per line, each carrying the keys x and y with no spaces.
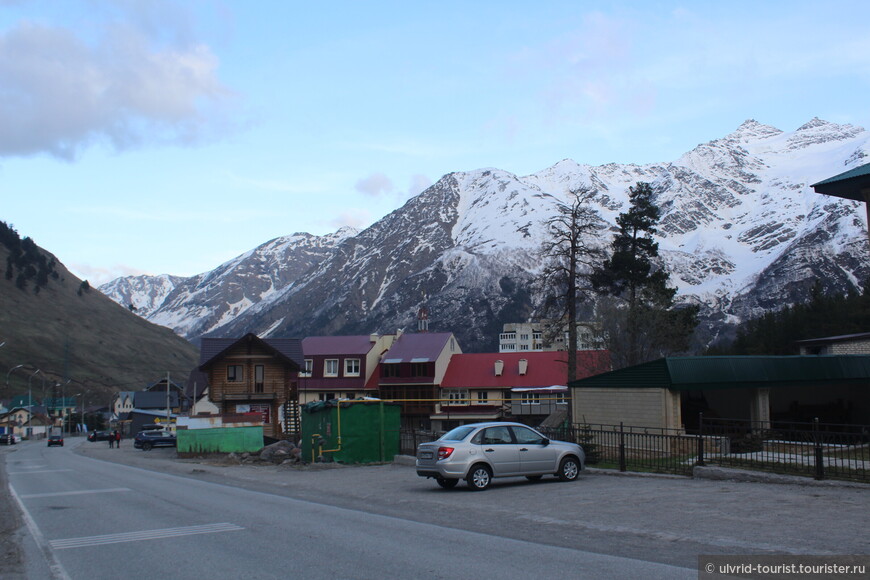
{"x":819,"y":450}
{"x":822,"y":451}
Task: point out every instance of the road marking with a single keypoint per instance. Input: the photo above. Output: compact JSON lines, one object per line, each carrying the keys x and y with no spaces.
{"x":143,"y":535}
{"x":82,"y":492}
{"x":42,"y":471}
{"x":57,"y":571}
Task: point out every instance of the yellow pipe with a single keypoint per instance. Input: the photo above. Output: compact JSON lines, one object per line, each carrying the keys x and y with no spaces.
{"x":338,"y":439}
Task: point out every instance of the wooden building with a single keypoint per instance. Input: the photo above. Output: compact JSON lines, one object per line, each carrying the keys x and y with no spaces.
{"x":254,"y":375}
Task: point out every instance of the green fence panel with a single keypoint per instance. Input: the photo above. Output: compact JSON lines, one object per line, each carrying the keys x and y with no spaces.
{"x":368,"y":432}
{"x":220,"y":440}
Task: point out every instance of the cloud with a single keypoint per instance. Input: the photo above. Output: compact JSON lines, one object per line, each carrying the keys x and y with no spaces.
{"x":375,"y":185}
{"x":60,"y":93}
{"x":356,"y":218}
{"x":418,"y":184}
{"x":97,"y":276}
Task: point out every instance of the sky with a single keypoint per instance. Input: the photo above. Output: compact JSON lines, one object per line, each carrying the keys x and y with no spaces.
{"x":160,"y":137}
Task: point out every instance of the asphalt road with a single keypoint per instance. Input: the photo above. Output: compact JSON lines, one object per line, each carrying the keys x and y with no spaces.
{"x":95,"y":513}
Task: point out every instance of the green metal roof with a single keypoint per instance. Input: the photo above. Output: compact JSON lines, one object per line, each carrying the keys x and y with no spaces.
{"x":847,"y":184}
{"x":728,"y":372}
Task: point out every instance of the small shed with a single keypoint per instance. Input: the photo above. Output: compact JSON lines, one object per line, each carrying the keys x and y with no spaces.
{"x":670,"y":392}
{"x":351,"y":431}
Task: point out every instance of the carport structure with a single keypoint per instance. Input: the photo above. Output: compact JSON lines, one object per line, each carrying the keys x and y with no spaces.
{"x":670,"y":392}
{"x":853,"y":184}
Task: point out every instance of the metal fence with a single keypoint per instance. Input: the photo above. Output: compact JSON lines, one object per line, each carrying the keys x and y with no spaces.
{"x":822,"y":451}
{"x":819,"y":450}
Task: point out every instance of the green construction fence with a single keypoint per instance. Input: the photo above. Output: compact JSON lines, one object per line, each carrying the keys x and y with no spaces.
{"x":354,"y":431}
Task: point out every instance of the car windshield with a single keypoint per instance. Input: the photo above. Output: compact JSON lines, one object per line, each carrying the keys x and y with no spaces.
{"x":457,"y":434}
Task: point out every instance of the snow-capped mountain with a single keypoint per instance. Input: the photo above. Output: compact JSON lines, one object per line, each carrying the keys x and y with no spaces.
{"x":741,"y":232}
{"x":197,"y":305}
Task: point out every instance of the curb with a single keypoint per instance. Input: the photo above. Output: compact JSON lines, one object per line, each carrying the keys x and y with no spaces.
{"x":728,"y":474}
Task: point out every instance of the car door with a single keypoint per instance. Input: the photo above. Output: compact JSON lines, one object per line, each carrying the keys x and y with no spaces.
{"x":501,"y":451}
{"x":535,"y":455}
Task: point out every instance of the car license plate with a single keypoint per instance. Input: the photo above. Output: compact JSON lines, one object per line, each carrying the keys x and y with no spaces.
{"x":425,"y":455}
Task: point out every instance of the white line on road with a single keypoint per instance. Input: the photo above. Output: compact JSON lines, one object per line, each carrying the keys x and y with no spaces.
{"x":42,"y":471}
{"x":143,"y":535}
{"x":82,"y":492}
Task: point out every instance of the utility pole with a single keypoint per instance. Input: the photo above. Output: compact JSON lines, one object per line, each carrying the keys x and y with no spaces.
{"x":167,"y":402}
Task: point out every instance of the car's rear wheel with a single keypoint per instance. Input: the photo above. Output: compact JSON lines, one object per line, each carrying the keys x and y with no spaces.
{"x":146,"y":446}
{"x":569,"y":469}
{"x":479,"y":477}
{"x":446,"y":483}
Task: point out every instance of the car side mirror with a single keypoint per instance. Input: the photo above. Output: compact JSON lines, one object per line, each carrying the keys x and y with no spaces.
{"x":545,"y":441}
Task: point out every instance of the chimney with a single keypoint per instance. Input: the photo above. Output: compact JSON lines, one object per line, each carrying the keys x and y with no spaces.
{"x":524,"y":366}
{"x":373,"y":338}
{"x":499,"y":367}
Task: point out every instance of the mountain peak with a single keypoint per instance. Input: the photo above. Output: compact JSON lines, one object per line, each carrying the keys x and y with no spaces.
{"x":751,"y":129}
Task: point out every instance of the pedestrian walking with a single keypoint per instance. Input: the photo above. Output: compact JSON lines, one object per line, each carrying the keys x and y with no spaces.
{"x":111,"y":439}
{"x":117,"y":437}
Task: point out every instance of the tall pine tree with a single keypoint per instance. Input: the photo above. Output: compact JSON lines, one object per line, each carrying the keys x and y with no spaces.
{"x":638,"y":311}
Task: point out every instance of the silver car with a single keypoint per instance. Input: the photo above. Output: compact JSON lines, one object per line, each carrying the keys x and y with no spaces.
{"x":480,"y":452}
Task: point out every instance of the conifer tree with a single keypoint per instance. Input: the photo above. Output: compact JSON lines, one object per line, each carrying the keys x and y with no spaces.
{"x":638,"y":311}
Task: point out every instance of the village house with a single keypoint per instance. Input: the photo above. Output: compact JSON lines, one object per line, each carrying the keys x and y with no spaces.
{"x":341,"y":367}
{"x":526,"y":387}
{"x":254,"y":375}
{"x":411,"y":372}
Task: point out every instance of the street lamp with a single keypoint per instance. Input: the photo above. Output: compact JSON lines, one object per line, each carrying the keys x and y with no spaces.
{"x":30,"y":403}
{"x":63,"y":403}
{"x":83,"y":405}
{"x":9,"y":373}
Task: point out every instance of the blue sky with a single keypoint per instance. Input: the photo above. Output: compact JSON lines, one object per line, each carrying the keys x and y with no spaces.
{"x":147,"y":136}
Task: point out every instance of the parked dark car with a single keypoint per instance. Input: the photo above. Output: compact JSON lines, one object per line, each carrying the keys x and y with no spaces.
{"x":100,"y":435}
{"x":55,"y":440}
{"x":7,"y":439}
{"x":145,"y":440}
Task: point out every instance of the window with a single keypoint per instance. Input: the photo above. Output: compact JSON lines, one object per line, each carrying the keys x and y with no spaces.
{"x":531,"y":399}
{"x":390,"y":370}
{"x":497,"y":436}
{"x":330,"y":367}
{"x":561,"y":398}
{"x":309,"y":368}
{"x":326,"y":396}
{"x":235,"y":373}
{"x":524,"y":337}
{"x":457,"y":397}
{"x":482,"y":397}
{"x":259,"y":378}
{"x":524,"y":347}
{"x":527,"y":436}
{"x":351,"y":367}
{"x":419,"y":369}
{"x":508,"y":346}
{"x":263,"y":410}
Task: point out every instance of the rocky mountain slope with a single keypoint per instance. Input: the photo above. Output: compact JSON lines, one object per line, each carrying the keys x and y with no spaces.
{"x":78,"y":338}
{"x":742,"y":232}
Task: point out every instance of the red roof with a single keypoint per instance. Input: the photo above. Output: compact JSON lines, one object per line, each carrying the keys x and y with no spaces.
{"x":543,"y":369}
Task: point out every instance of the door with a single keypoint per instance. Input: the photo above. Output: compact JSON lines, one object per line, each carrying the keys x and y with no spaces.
{"x":535,"y":456}
{"x":501,"y":451}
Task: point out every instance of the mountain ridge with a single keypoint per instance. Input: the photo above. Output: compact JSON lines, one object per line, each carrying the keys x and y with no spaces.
{"x":741,"y":232}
